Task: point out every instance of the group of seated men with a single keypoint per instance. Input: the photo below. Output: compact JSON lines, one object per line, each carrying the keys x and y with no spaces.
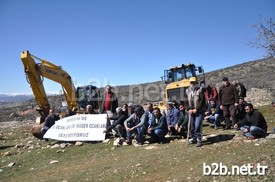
{"x":134,"y":119}
{"x":157,"y":124}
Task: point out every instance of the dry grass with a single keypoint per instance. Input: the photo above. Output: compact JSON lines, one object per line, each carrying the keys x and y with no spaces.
{"x":175,"y":161}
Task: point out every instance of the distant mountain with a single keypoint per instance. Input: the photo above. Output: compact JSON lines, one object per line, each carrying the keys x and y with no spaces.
{"x":11,"y":98}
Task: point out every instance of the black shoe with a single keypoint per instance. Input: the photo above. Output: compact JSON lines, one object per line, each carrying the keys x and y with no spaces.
{"x":164,"y":141}
{"x":129,"y":142}
{"x":227,"y":128}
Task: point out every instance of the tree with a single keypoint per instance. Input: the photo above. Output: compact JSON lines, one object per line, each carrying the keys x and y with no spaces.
{"x":266,"y":38}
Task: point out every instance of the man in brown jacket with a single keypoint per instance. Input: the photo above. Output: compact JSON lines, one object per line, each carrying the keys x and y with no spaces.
{"x":228,"y":99}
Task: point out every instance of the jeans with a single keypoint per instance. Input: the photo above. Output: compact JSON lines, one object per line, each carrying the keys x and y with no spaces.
{"x":119,"y":131}
{"x":216,"y":119}
{"x":255,"y":131}
{"x":159,"y":134}
{"x":44,"y":130}
{"x":196,"y":126}
{"x":139,"y":132}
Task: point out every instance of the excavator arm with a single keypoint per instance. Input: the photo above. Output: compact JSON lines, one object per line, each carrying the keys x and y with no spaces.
{"x":35,"y":73}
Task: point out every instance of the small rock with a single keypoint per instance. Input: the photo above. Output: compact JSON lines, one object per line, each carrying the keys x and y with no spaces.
{"x":30,"y":142}
{"x":63,"y":145}
{"x":1,"y":170}
{"x":8,"y":153}
{"x":11,"y":164}
{"x":55,"y":146}
{"x":60,"y":151}
{"x":256,"y":144}
{"x":19,"y":146}
{"x":78,"y":143}
{"x":106,"y":141}
{"x":151,"y":148}
{"x":30,"y":147}
{"x":54,"y":161}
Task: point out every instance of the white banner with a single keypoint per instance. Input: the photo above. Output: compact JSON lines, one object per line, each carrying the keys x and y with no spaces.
{"x":82,"y":127}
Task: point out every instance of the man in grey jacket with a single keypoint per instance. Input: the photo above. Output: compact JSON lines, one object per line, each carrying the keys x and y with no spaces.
{"x":135,"y":124}
{"x":197,"y":106}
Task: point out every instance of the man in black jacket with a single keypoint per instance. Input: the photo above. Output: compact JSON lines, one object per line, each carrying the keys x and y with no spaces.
{"x":254,"y":124}
{"x":229,"y":100}
{"x":49,"y":121}
{"x":118,"y":124}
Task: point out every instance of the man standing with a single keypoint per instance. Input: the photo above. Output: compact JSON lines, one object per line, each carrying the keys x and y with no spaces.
{"x":196,"y":99}
{"x":241,"y":90}
{"x":254,"y":124}
{"x":109,"y":102}
{"x":228,"y":99}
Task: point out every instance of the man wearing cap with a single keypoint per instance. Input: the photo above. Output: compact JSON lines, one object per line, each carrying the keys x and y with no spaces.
{"x":135,"y":124}
{"x":197,"y":107}
{"x":228,"y":99}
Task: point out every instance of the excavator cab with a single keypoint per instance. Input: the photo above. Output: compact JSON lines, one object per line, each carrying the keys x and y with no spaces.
{"x":87,"y":95}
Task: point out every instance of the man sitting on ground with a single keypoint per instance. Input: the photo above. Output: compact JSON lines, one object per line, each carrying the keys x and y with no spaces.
{"x":118,"y":124}
{"x":213,"y":113}
{"x":182,"y":122}
{"x":158,"y":127}
{"x":49,"y":121}
{"x":135,"y":124}
{"x":254,"y":124}
{"x":172,"y":118}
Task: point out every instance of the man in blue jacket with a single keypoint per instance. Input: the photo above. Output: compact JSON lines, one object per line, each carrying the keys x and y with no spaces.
{"x":158,"y":128}
{"x":172,"y":118}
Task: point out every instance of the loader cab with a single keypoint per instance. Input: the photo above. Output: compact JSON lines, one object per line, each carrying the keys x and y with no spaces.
{"x":182,"y":72}
{"x":177,"y":80}
{"x":88,"y":95}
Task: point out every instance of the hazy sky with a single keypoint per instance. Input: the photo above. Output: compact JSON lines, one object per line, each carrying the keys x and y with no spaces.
{"x":122,"y":42}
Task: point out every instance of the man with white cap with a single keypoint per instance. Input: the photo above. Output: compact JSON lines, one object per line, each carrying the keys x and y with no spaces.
{"x":196,"y":100}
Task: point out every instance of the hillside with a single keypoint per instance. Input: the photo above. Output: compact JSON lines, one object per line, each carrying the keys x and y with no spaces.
{"x":25,"y":158}
{"x":255,"y":75}
{"x":258,"y":76}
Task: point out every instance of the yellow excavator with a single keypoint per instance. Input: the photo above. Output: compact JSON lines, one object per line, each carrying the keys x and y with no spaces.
{"x":177,"y":80}
{"x":78,"y":97}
